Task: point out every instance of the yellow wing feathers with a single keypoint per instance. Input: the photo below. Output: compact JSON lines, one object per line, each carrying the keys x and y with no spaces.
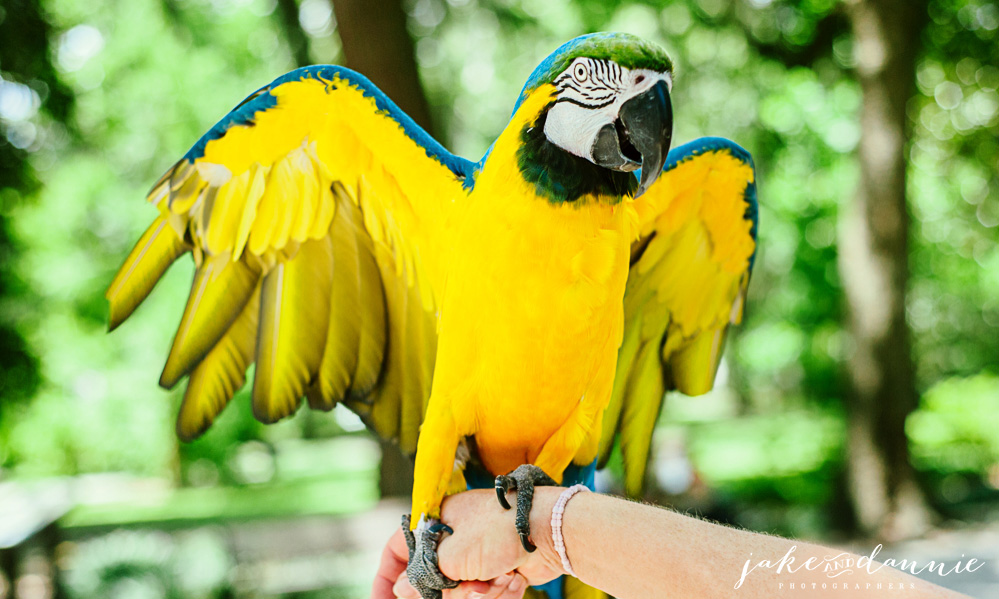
{"x":294,"y":316}
{"x":316,"y":222}
{"x":221,"y":289}
{"x":355,"y":338}
{"x":690,"y":268}
{"x":220,"y":374}
{"x":155,"y":251}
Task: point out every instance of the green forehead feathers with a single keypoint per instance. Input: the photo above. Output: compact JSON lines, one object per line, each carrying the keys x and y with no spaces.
{"x":629,"y":51}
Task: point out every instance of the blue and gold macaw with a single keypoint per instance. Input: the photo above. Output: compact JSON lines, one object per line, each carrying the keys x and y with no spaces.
{"x":526,"y":309}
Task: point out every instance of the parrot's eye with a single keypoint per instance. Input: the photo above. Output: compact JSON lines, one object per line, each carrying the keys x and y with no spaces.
{"x":580,"y":73}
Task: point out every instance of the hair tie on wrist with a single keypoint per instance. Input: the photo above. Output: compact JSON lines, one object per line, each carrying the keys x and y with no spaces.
{"x":557,"y":511}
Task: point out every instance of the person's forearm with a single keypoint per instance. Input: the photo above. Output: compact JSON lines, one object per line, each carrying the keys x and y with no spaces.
{"x":636,"y":551}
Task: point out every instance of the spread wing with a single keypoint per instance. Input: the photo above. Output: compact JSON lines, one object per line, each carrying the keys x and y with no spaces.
{"x":316,"y":212}
{"x":690,"y":268}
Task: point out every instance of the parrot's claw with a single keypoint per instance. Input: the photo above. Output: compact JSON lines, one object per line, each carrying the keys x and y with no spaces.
{"x":423,"y":572}
{"x":523,"y":480}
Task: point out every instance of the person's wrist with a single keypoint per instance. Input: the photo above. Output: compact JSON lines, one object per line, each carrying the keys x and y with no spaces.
{"x":541,"y":528}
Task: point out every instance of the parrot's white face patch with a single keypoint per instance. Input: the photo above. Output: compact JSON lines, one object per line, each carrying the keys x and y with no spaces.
{"x":590,"y":95}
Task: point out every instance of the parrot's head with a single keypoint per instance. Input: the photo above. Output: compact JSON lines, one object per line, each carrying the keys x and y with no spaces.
{"x":608,"y":104}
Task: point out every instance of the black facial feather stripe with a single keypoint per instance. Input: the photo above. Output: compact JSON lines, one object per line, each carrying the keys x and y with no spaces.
{"x":578,"y":103}
{"x":570,"y":84}
{"x":596,"y":95}
{"x":603,"y":82}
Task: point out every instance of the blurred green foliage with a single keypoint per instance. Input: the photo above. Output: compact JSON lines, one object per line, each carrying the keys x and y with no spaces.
{"x":150,"y":565}
{"x":28,"y":84}
{"x":147,"y":77}
{"x":955,"y":428}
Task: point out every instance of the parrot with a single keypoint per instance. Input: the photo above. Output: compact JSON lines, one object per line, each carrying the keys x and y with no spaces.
{"x":508,"y":322}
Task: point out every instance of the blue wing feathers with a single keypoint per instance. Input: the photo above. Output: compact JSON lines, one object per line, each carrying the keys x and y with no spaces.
{"x":262,"y":100}
{"x":243,"y":114}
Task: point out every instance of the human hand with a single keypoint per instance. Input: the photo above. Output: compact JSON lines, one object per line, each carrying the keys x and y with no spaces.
{"x":484,"y":551}
{"x":391,"y":580}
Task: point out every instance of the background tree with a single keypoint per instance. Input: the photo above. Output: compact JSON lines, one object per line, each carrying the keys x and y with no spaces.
{"x":874,"y":256}
{"x":296,"y":38}
{"x":35,"y":99}
{"x":376,"y":42}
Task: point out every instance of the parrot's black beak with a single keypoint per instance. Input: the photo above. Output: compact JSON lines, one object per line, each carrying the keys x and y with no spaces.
{"x":640,"y":137}
{"x":648,"y":124}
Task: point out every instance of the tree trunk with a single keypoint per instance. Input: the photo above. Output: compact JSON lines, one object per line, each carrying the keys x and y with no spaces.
{"x":298,"y":42}
{"x":377,"y":44}
{"x":873,"y":263}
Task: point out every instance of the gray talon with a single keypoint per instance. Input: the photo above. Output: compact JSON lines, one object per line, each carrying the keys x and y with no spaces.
{"x":406,"y":532}
{"x":423,"y":572}
{"x":503,"y":484}
{"x":522,"y":480}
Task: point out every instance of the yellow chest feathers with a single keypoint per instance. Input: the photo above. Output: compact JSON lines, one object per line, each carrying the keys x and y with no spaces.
{"x":517,"y":249}
{"x":533,"y":288}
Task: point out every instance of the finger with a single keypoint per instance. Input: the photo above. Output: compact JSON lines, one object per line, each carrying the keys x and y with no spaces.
{"x":497,"y":586}
{"x":516,"y":588}
{"x":479,"y":589}
{"x":536,"y":572}
{"x":403,"y":589}
{"x":392,"y":563}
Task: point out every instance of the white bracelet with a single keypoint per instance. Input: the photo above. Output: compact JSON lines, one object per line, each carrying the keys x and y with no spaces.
{"x":557,"y":524}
